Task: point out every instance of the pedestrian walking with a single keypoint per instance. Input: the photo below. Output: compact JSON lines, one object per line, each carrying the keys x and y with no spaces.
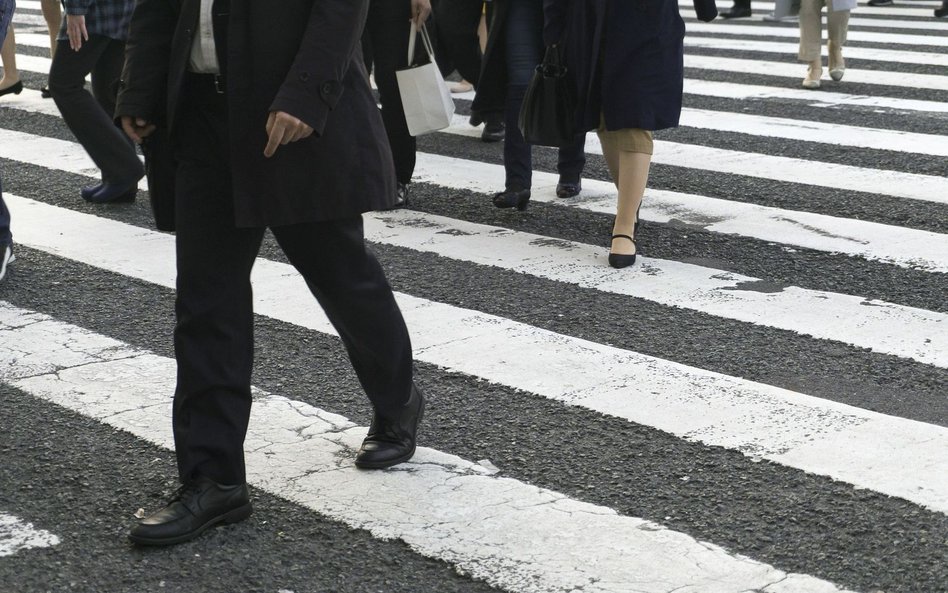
{"x":811,"y":36}
{"x":10,"y":83}
{"x":514,"y":49}
{"x":92,"y":41}
{"x":628,"y":68}
{"x":387,"y":29}
{"x":6,"y":238}
{"x":273,"y":124}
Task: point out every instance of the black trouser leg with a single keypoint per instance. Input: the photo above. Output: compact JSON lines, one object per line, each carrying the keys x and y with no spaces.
{"x":90,"y":116}
{"x":350,"y":286}
{"x":387,"y":29}
{"x":213,"y":337}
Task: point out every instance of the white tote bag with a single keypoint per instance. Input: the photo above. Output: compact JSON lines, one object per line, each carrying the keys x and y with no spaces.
{"x":426,"y":100}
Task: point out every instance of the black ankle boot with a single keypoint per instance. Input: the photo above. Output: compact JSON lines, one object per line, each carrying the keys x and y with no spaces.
{"x":512,"y":198}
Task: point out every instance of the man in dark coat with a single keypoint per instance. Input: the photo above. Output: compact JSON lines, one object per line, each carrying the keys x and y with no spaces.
{"x":272,"y":123}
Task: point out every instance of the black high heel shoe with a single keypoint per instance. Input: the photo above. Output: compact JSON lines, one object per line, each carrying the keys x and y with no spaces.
{"x":15,"y":88}
{"x":619,"y":260}
{"x":512,"y":198}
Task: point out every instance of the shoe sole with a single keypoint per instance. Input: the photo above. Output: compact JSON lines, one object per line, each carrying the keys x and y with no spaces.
{"x":234,"y":516}
{"x":397,"y":460}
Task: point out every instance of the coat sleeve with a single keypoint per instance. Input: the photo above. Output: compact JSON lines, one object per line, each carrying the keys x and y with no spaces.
{"x":705,"y":10}
{"x":314,"y":84}
{"x":554,"y":20}
{"x":143,"y":88}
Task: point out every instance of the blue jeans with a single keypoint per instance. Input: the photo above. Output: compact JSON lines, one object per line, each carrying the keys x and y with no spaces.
{"x":524,"y":40}
{"x":6,"y":14}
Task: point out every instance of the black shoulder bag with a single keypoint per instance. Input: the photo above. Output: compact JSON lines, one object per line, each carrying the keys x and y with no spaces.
{"x":547,"y":116}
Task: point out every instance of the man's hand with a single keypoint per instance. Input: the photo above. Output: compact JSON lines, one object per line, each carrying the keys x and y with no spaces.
{"x":420,"y":9}
{"x":283,"y":128}
{"x":76,"y":30}
{"x":136,"y":128}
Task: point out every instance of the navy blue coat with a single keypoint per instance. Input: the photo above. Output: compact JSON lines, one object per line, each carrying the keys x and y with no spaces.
{"x":626,"y":58}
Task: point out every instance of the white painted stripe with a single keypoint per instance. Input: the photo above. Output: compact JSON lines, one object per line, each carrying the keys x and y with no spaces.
{"x":881,"y":327}
{"x":790,"y":49}
{"x":896,"y":245}
{"x":761,"y":8}
{"x":928,"y":188}
{"x":730,"y":90}
{"x":814,"y":131}
{"x":891,"y":244}
{"x":798,"y":71}
{"x":789,"y":428}
{"x":15,"y":535}
{"x":727,"y":28}
{"x":510,"y":534}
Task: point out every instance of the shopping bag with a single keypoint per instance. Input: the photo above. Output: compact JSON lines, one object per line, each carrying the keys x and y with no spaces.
{"x":547,"y":115}
{"x":426,"y":100}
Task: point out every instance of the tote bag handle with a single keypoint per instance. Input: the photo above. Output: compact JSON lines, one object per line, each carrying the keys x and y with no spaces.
{"x":425,"y":40}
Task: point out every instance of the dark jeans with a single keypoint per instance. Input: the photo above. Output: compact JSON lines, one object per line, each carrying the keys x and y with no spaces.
{"x":6,"y":13}
{"x":458,"y":47}
{"x":89,"y":116}
{"x":385,"y":44}
{"x":524,"y":41}
{"x":213,"y":337}
{"x":5,"y":236}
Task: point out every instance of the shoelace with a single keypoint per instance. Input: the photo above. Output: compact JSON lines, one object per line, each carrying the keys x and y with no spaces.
{"x":185,"y":492}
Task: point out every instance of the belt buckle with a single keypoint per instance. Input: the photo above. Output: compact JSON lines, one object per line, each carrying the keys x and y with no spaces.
{"x":218,"y":84}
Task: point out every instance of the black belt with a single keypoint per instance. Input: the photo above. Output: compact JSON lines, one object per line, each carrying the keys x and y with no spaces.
{"x":207,"y":82}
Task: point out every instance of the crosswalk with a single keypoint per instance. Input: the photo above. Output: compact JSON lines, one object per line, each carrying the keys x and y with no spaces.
{"x":760,"y":404}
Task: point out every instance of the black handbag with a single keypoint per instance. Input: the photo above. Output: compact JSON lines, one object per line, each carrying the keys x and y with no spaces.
{"x":160,"y":171}
{"x":547,"y":116}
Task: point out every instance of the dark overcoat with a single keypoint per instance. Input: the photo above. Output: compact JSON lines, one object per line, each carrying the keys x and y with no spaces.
{"x":626,"y":58}
{"x":491,"y":96}
{"x":302,"y":57}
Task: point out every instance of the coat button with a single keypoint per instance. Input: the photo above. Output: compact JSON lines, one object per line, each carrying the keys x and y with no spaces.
{"x":327,"y":88}
{"x":304,"y":76}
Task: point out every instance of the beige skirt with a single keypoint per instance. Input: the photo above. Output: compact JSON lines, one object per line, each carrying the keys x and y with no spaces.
{"x":626,"y":139}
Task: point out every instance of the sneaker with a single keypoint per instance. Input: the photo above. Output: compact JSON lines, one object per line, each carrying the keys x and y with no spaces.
{"x":6,"y":256}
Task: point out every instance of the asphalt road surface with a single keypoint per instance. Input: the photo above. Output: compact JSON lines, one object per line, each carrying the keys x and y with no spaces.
{"x":759,"y":404}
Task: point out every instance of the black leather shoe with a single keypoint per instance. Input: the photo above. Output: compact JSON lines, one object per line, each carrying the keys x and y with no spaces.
{"x":401,"y":196}
{"x":392,"y":440}
{"x":942,"y":12}
{"x":112,"y":193}
{"x":15,"y":88}
{"x":512,"y":198}
{"x":568,"y":190}
{"x":88,"y":192}
{"x":737,"y":11}
{"x":196,"y":506}
{"x":618,"y":260}
{"x":46,"y":93}
{"x":494,"y":131}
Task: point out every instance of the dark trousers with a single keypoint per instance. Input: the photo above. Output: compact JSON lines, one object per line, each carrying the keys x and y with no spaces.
{"x":5,"y":236}
{"x":458,"y":47}
{"x":213,"y":337}
{"x":385,"y":43}
{"x":524,"y":42}
{"x":89,"y":116}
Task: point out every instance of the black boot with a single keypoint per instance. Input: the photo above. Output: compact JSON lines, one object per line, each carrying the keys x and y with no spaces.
{"x":391,"y":440}
{"x":741,"y":9}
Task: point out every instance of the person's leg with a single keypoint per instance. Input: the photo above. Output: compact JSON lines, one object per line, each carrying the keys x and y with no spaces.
{"x":572,"y":159}
{"x":524,"y":41}
{"x":811,"y":35}
{"x":86,"y":115}
{"x":6,"y":237}
{"x":837,"y":25}
{"x":740,"y":9}
{"x":53,"y":13}
{"x":351,"y":287}
{"x":213,"y":337}
{"x":628,"y":154}
{"x":11,"y":75}
{"x":388,"y":29}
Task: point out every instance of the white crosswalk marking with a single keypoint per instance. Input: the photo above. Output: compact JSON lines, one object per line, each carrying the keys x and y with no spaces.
{"x":15,"y":535}
{"x":864,"y":193}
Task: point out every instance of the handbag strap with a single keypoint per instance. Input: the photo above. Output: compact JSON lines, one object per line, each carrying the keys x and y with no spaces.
{"x":425,"y":41}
